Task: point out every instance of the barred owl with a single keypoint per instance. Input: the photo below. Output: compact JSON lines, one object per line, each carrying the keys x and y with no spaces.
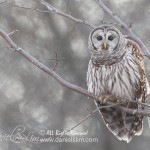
{"x":116,"y":68}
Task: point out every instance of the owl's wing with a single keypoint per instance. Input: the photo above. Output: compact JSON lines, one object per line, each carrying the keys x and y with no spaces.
{"x":123,"y":125}
{"x":143,"y":88}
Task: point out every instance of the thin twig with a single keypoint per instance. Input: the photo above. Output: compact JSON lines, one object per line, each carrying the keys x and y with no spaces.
{"x":54,"y":10}
{"x":106,"y":22}
{"x":57,"y":60}
{"x":23,"y":7}
{"x":86,"y":117}
{"x":125,"y":27}
{"x":12,"y":32}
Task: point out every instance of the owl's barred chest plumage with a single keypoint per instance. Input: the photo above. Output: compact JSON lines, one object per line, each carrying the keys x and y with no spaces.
{"x":116,"y":79}
{"x":117,"y":69}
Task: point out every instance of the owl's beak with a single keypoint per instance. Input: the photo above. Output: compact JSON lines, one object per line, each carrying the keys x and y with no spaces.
{"x":105,"y":44}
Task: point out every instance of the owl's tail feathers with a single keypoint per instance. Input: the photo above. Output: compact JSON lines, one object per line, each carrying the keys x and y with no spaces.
{"x":124,"y":126}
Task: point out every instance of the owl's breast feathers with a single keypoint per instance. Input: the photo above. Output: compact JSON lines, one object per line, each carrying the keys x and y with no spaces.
{"x":125,"y":78}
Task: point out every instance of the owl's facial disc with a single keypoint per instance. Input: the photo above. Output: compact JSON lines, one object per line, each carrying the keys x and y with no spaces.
{"x":106,"y":44}
{"x":105,"y":40}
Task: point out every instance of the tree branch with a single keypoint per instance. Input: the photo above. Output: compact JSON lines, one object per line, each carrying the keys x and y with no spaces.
{"x":54,"y":10}
{"x":125,"y":27}
{"x":45,"y":68}
{"x":62,"y":81}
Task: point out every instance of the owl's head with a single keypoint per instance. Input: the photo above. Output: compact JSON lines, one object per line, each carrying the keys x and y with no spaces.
{"x":106,"y":40}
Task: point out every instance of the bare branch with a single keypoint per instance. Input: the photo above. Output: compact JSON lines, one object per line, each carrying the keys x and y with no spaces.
{"x":23,"y":7}
{"x":54,"y":10}
{"x":129,"y":100}
{"x":45,"y":68}
{"x":137,"y":112}
{"x":8,"y":39}
{"x":125,"y":27}
{"x":106,"y":22}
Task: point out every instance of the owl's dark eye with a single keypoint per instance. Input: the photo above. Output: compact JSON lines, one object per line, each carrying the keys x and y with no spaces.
{"x":110,"y":38}
{"x":99,"y":38}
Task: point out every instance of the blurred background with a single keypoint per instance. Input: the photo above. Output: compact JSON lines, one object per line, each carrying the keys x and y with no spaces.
{"x":31,"y":98}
